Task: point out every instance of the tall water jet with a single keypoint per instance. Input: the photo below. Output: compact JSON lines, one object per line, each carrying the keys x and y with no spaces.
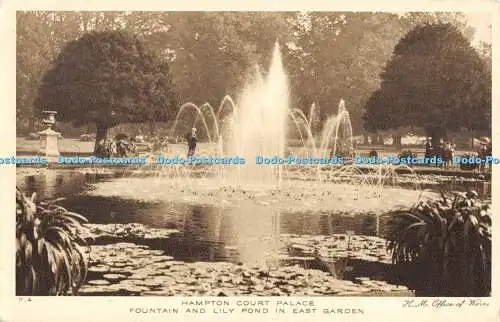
{"x":336,"y":138}
{"x":260,"y":123}
{"x":314,"y":117}
{"x":343,"y":130}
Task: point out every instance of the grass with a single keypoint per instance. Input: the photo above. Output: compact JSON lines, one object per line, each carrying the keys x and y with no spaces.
{"x":65,"y":146}
{"x":74,"y":146}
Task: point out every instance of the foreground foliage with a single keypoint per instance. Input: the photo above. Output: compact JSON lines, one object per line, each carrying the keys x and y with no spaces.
{"x":444,"y":246}
{"x":49,"y":257}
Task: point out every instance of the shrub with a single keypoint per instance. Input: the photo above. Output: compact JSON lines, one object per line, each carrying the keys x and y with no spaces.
{"x":33,"y":137}
{"x":444,"y":245}
{"x":49,"y":257}
{"x":469,"y":166}
{"x":87,"y":137}
{"x":407,"y":153}
{"x":121,"y":136}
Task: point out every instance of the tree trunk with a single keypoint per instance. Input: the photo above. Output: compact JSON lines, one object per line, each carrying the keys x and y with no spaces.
{"x":436,"y":136}
{"x":396,"y":140}
{"x":435,"y":141}
{"x":31,"y":124}
{"x":152,"y":129}
{"x":101,"y":134}
{"x":472,"y":140}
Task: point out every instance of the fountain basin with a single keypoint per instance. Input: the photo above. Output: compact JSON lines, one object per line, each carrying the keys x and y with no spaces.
{"x":296,"y":196}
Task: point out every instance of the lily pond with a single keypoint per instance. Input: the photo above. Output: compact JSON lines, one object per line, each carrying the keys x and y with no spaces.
{"x":149,"y":237}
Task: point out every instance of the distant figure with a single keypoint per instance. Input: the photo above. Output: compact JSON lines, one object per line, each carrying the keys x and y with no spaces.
{"x":340,"y":150}
{"x":344,"y":152}
{"x":156,"y":144}
{"x":352,"y":152}
{"x":489,"y":148}
{"x":192,"y":140}
{"x":451,"y":150}
{"x":442,"y":153}
{"x":139,"y":138}
{"x":121,"y":148}
{"x":100,"y":149}
{"x":448,"y":151}
{"x":485,"y":151}
{"x":428,"y":148}
{"x":132,"y":147}
{"x":164,"y":143}
{"x":111,"y":148}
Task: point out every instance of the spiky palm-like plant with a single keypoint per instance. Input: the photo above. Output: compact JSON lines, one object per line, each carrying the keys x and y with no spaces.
{"x":445,"y":245}
{"x":49,"y":256}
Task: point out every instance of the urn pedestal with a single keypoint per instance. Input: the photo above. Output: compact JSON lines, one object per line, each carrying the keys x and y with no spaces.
{"x":49,"y":139}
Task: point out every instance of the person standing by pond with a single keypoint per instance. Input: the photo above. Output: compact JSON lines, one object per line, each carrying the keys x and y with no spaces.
{"x":489,"y":150}
{"x":191,"y":141}
{"x":485,"y":151}
{"x":441,"y":151}
{"x":447,"y":154}
{"x":428,"y":148}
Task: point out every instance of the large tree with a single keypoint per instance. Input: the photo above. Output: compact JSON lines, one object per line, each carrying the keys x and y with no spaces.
{"x":108,"y":78}
{"x":435,"y":80}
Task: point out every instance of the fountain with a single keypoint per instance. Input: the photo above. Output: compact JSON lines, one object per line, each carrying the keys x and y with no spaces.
{"x":257,"y":124}
{"x":48,"y":137}
{"x":314,"y":115}
{"x":337,"y":135}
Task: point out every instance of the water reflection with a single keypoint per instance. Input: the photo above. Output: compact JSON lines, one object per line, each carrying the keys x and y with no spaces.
{"x":60,"y":183}
{"x":246,"y":233}
{"x":254,"y":231}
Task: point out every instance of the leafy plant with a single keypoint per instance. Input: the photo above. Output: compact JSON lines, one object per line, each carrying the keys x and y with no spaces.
{"x":444,"y":246}
{"x":121,"y":136}
{"x":407,"y":153}
{"x":469,"y":166}
{"x":49,"y":257}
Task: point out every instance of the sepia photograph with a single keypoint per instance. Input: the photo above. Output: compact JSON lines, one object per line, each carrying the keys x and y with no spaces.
{"x":199,"y":154}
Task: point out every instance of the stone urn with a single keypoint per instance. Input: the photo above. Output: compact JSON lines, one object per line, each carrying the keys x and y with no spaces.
{"x":49,"y":138}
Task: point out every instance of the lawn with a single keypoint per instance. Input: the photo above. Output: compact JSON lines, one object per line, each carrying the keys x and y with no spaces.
{"x":73,"y":146}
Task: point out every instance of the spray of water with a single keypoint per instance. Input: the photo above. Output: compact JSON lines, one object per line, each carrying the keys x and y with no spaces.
{"x":259,"y":127}
{"x":256,"y":124}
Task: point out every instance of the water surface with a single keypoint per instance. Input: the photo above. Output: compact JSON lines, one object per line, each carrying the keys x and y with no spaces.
{"x":206,"y":232}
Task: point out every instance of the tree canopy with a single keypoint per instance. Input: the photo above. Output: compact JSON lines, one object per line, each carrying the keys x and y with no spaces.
{"x":435,"y":80}
{"x":107,"y":78}
{"x":327,"y":55}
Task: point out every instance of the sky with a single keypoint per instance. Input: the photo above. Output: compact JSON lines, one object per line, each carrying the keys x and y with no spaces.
{"x":481,"y":22}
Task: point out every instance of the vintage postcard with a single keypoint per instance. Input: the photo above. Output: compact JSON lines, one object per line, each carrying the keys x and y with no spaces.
{"x":175,"y":161}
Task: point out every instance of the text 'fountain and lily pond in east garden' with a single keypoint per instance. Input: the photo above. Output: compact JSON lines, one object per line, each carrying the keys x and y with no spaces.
{"x":241,"y":229}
